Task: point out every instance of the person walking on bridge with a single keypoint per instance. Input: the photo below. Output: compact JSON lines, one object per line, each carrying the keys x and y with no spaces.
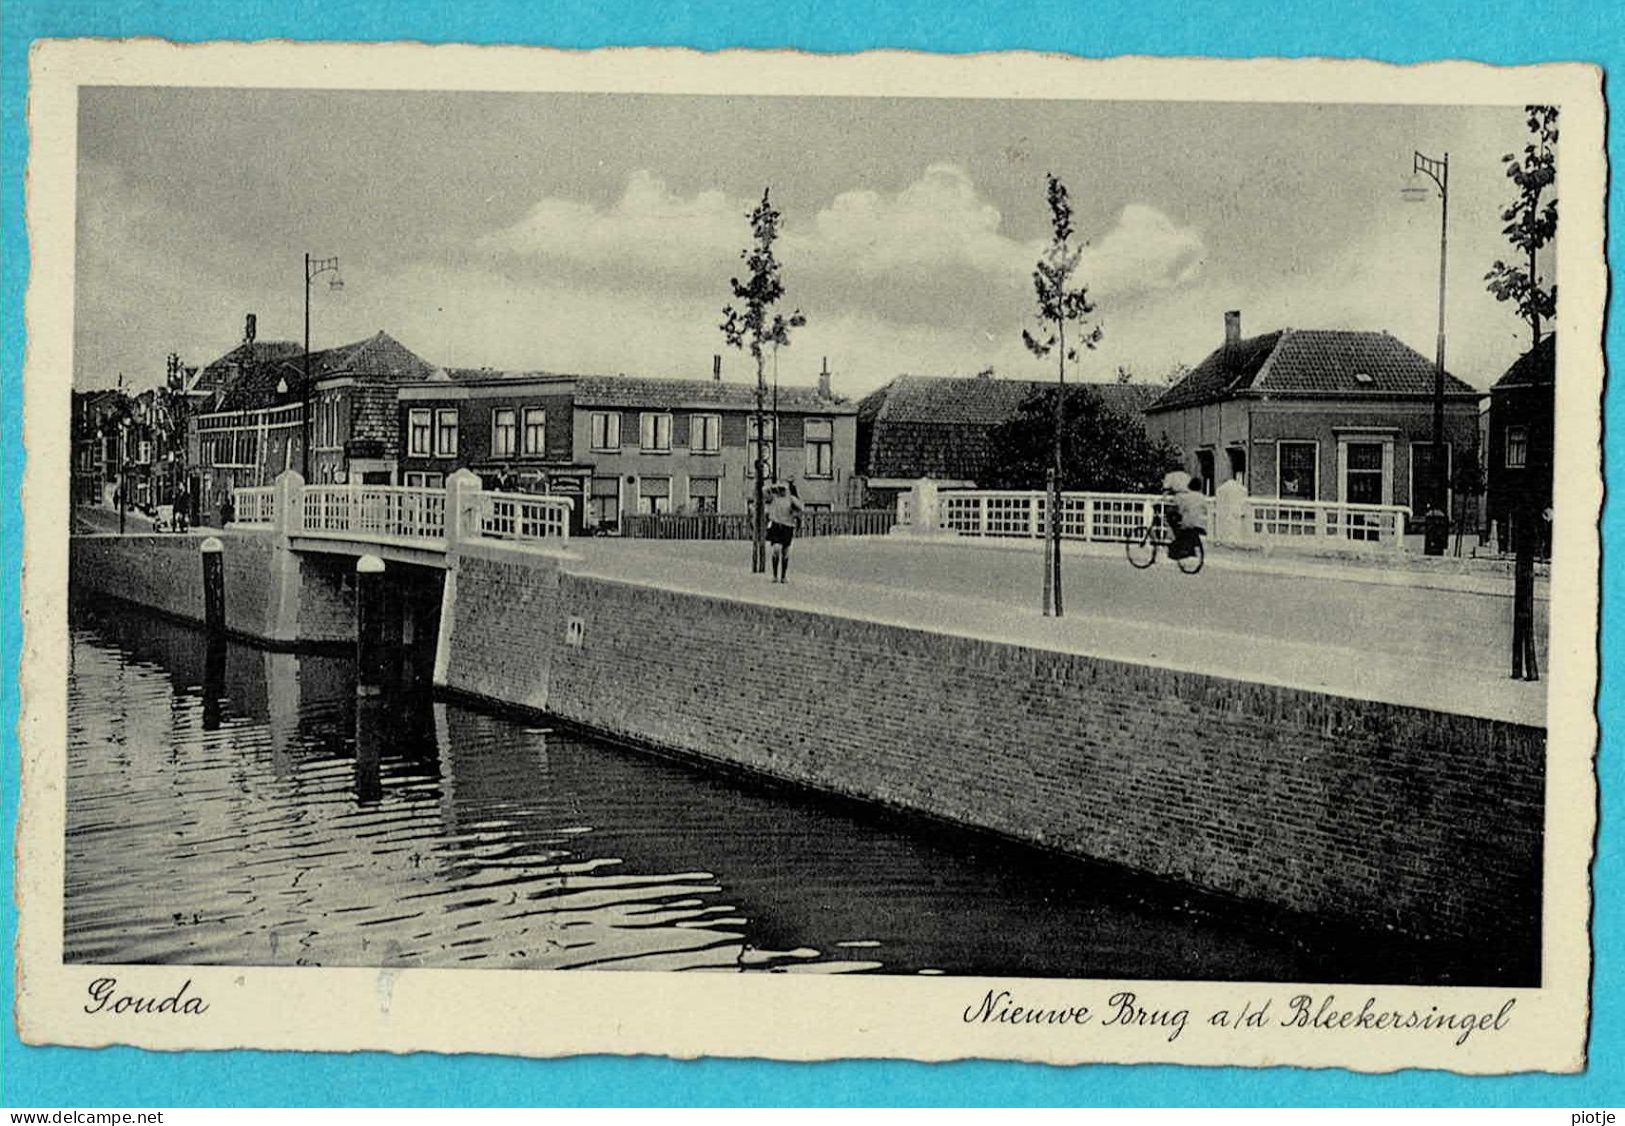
{"x":783,"y":508}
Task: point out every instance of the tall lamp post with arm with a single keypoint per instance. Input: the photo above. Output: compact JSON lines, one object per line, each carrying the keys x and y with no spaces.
{"x":314,"y":267}
{"x":1436,"y":524}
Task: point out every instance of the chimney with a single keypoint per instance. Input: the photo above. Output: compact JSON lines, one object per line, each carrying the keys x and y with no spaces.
{"x":716,"y":366}
{"x":823,"y":381}
{"x":250,"y":325}
{"x":1232,"y":328}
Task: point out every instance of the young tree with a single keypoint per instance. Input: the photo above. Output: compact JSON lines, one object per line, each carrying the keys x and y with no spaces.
{"x":753,"y":325}
{"x":1106,"y":451}
{"x":1531,"y":223}
{"x":1060,"y":303}
{"x":1176,"y":373}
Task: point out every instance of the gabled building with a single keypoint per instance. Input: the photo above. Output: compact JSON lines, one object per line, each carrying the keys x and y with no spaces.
{"x":256,"y":427}
{"x":1314,"y":414}
{"x":98,"y":441}
{"x":941,"y":427}
{"x":1518,"y":465}
{"x":626,"y":444}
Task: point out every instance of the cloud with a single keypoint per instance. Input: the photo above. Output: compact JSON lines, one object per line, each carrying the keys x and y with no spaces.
{"x":650,"y":227}
{"x":939,"y":222}
{"x":1145,"y":250}
{"x":930,"y":252}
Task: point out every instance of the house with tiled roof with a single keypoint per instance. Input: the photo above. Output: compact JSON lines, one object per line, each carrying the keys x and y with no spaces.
{"x":1315,"y":414}
{"x":255,"y":427}
{"x":1518,"y":465}
{"x":941,"y":427}
{"x":627,"y":444}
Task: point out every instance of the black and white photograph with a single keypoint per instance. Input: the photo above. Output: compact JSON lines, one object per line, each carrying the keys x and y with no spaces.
{"x":1032,"y":553}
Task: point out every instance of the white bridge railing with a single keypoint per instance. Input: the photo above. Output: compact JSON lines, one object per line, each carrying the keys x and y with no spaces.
{"x":523,"y":516}
{"x":1110,"y":517}
{"x":417,"y":516}
{"x":255,"y":505}
{"x":1089,"y":517}
{"x":372,"y":512}
{"x":1380,"y":525}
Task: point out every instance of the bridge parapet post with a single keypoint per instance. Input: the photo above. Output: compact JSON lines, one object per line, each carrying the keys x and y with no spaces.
{"x":288,"y":517}
{"x":462,"y":507}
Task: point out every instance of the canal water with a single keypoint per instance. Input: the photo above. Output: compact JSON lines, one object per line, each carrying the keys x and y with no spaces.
{"x":229,"y":805}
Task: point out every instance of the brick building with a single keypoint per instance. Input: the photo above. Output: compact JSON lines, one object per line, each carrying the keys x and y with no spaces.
{"x":1518,"y":475}
{"x":941,"y":427}
{"x":96,"y":418}
{"x":625,"y":444}
{"x":255,"y":427}
{"x":1315,"y":414}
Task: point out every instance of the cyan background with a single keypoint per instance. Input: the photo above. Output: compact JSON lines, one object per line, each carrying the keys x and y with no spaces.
{"x":1496,"y":31}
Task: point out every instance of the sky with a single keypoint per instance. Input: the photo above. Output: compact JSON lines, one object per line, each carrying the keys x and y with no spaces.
{"x":596,"y":233}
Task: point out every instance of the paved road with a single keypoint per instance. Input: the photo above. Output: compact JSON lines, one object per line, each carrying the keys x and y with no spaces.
{"x":93,"y":518}
{"x":1379,"y":640}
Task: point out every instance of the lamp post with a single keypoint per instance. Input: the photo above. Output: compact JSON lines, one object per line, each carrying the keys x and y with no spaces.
{"x":123,"y":472}
{"x":1436,"y":523}
{"x":313,"y":268}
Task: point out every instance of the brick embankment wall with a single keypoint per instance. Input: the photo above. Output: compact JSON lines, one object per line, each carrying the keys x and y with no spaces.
{"x":272,"y":594}
{"x":1380,"y":815}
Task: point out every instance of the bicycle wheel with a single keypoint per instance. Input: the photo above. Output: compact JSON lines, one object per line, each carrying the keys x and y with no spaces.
{"x":1192,"y":563}
{"x":1142,"y":547}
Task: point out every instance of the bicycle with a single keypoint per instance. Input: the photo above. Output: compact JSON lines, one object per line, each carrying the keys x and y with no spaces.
{"x":1145,"y":541}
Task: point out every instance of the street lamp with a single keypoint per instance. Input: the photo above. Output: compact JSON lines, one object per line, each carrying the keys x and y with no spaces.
{"x":313,"y":268}
{"x":1437,"y":521}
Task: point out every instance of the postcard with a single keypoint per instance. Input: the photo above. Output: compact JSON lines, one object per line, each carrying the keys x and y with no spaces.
{"x":806,"y":557}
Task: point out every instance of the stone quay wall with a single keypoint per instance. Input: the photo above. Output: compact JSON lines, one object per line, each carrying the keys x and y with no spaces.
{"x":1383,"y":816}
{"x":273,"y":595}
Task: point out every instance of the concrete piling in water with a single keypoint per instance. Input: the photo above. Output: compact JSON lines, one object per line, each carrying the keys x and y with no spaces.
{"x":370,"y":720}
{"x":214,"y":585}
{"x":371,"y":644}
{"x":214,"y":678}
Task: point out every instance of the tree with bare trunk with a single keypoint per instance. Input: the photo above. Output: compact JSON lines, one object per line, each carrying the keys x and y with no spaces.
{"x":1531,"y":223}
{"x":1061,"y":302}
{"x":753,"y":325}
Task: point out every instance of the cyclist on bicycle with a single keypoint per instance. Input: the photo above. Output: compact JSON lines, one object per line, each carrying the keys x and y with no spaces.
{"x":1188,"y":517}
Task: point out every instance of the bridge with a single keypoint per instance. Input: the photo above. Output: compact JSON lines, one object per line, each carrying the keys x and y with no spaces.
{"x":404,"y":524}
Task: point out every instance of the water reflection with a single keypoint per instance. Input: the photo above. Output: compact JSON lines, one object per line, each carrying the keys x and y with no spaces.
{"x":228,"y":805}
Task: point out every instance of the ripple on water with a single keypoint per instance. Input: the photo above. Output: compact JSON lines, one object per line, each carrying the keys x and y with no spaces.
{"x":225,"y":812}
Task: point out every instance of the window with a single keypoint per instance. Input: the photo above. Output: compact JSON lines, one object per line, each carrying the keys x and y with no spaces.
{"x":1517,"y":447}
{"x":419,"y":433}
{"x":606,"y":430}
{"x":445,"y":433}
{"x":535,"y":432}
{"x":145,"y":451}
{"x":504,"y":431}
{"x":705,"y":433}
{"x":425,"y":481}
{"x":654,"y":495}
{"x":702,"y":493}
{"x":1238,"y":464}
{"x":1204,"y":470}
{"x":1297,"y":470}
{"x":1363,"y":475}
{"x":820,"y":447}
{"x":604,"y":505}
{"x":758,"y":449}
{"x":655,"y":432}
